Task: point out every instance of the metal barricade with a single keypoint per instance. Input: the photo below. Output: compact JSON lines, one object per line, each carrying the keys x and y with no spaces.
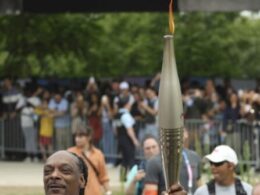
{"x":12,"y":141}
{"x":2,"y":140}
{"x":203,"y":137}
{"x":244,"y":139}
{"x":256,"y":129}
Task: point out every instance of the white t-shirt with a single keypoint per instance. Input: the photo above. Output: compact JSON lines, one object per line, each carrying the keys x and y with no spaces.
{"x":27,"y":112}
{"x":224,"y":190}
{"x":127,"y":120}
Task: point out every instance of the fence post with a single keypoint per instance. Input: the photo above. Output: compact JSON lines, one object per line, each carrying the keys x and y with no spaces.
{"x":2,"y":133}
{"x":257,"y":128}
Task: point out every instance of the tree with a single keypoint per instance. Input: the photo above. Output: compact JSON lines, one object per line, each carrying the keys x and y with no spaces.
{"x":113,"y":44}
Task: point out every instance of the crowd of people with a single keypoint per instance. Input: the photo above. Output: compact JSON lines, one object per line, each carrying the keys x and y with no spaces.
{"x":50,"y":113}
{"x":89,"y":120}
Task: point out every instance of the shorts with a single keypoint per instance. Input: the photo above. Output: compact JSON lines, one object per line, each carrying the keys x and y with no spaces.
{"x":45,"y":140}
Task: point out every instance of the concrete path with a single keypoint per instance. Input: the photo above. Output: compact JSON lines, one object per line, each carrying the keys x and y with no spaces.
{"x":26,"y":174}
{"x":30,"y":174}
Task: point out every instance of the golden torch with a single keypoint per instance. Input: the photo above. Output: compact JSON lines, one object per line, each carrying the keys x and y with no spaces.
{"x":171,"y":120}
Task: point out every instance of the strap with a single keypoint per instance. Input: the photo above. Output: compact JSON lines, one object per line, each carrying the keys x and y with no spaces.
{"x":189,"y":169}
{"x":90,"y":163}
{"x":238,"y":187}
{"x":211,"y":187}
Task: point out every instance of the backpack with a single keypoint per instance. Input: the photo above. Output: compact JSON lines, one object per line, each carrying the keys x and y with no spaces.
{"x":238,"y":187}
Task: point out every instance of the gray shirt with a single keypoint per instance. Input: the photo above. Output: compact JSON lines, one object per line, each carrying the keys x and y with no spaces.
{"x":194,"y":162}
{"x":224,"y":190}
{"x":154,"y":172}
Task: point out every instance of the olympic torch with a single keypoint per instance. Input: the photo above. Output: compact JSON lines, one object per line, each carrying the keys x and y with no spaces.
{"x":171,"y":120}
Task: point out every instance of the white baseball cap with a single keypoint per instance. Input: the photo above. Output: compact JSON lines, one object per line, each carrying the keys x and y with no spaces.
{"x":223,"y":153}
{"x":92,"y":80}
{"x":124,"y":85}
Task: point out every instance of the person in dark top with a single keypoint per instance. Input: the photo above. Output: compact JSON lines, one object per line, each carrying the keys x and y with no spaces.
{"x":150,"y":107}
{"x":154,"y":179}
{"x":138,"y":115}
{"x":127,"y":139}
{"x":150,"y":147}
{"x":230,"y":117}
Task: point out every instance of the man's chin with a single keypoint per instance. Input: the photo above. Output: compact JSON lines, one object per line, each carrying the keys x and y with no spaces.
{"x":216,"y":177}
{"x":56,"y":191}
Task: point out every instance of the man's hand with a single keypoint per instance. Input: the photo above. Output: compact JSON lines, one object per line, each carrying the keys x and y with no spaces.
{"x":136,"y":143}
{"x":175,"y":189}
{"x":139,"y":175}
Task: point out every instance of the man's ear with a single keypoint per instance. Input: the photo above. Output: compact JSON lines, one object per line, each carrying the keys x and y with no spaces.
{"x":231,"y":166}
{"x":82,"y":181}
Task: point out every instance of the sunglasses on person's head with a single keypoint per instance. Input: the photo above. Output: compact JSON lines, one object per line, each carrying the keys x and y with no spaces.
{"x":217,"y":164}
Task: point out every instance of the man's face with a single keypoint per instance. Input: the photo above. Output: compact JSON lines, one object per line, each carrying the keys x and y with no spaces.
{"x":7,"y":83}
{"x":150,"y":94}
{"x":62,"y":175}
{"x":57,"y":98}
{"x":222,"y":171}
{"x":151,"y":148}
{"x":115,"y":86}
{"x":124,"y":92}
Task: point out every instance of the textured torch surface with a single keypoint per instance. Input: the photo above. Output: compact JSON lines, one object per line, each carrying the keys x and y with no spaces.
{"x":171,"y":150}
{"x":170,"y":115}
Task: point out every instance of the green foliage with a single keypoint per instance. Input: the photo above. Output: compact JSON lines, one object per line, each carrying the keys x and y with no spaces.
{"x":78,"y":45}
{"x":133,"y":46}
{"x":48,"y":44}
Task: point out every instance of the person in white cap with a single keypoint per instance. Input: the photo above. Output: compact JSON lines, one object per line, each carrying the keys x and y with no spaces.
{"x":223,"y":161}
{"x":124,"y":93}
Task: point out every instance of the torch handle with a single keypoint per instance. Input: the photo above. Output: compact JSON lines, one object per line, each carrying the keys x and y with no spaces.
{"x":171,"y":143}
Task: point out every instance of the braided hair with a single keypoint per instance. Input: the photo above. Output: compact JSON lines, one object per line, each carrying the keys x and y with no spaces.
{"x":83,"y":169}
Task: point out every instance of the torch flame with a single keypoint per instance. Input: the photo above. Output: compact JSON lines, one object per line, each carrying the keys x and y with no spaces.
{"x":171,"y":18}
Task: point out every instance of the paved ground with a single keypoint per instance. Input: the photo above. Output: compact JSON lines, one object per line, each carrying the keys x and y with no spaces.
{"x":30,"y":174}
{"x":26,"y":174}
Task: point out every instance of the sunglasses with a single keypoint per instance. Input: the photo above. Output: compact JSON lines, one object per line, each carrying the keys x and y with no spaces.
{"x":217,"y":164}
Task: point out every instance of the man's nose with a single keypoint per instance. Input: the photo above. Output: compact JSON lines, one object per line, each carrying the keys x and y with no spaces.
{"x":55,"y":173}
